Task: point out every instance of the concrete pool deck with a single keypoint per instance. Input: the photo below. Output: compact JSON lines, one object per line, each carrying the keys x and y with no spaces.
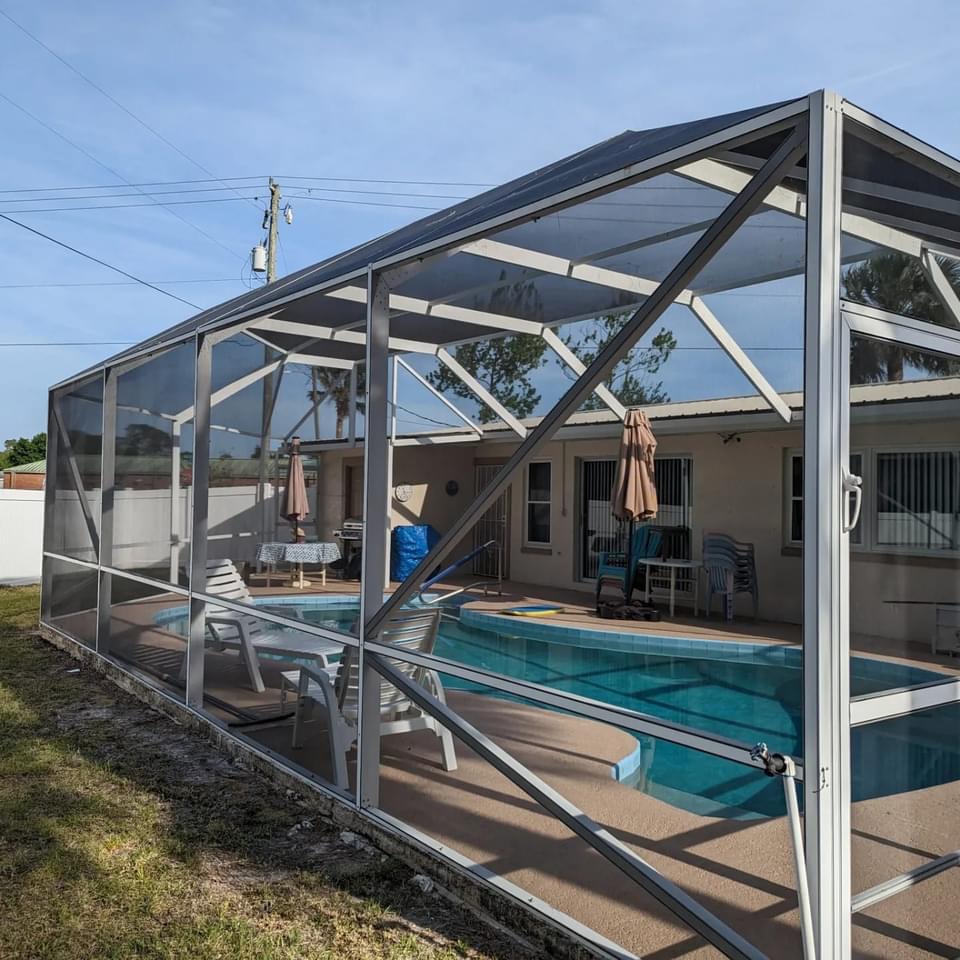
{"x":741,"y":870}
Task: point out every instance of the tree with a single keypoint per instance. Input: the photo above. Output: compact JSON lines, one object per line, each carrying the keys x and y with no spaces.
{"x":503,"y":365}
{"x":334,"y":385}
{"x":632,"y":379}
{"x":896,"y":282}
{"x":144,"y":440}
{"x":23,"y":450}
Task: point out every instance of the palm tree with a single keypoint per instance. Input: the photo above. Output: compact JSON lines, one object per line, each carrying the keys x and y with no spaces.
{"x":896,"y":282}
{"x":334,"y":385}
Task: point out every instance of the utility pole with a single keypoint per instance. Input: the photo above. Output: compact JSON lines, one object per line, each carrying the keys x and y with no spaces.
{"x":263,"y":257}
{"x":270,"y":383}
{"x":272,"y":231}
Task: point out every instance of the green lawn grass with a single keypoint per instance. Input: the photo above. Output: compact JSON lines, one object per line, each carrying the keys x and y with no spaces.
{"x":123,"y":836}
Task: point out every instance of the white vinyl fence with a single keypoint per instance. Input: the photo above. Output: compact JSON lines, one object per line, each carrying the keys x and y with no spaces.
{"x":21,"y":535}
{"x":146,"y":533}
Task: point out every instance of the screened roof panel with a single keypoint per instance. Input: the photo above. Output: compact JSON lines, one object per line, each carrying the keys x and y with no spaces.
{"x":897,"y":191}
{"x":641,"y":229}
{"x":605,"y":158}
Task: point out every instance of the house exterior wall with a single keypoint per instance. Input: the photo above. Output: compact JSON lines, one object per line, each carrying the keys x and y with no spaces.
{"x":738,"y":487}
{"x":426,"y":470}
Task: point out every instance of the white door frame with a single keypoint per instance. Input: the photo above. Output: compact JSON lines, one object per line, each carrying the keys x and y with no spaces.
{"x":861,"y":320}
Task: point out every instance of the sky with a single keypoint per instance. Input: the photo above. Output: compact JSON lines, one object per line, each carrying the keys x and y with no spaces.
{"x":457,"y":95}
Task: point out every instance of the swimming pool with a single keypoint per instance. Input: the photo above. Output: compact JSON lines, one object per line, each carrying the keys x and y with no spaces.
{"x":745,"y":691}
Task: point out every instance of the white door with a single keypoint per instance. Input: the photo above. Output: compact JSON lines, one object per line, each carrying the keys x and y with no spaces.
{"x":900,"y":436}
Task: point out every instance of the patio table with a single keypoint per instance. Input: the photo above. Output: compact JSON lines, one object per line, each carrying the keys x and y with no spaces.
{"x":693,"y":566}
{"x":299,"y":553}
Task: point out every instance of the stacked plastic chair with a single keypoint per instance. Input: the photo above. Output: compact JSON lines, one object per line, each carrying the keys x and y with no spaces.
{"x":614,"y":565}
{"x":731,"y":568}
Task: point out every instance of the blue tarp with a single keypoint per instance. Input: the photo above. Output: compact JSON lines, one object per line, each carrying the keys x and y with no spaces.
{"x":409,"y":546}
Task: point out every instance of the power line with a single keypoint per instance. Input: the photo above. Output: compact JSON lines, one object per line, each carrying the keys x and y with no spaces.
{"x":146,"y":126}
{"x":180,"y":203}
{"x":111,"y":283}
{"x":143,"y":183}
{"x":111,"y":196}
{"x":125,"y":206}
{"x":103,"y":263}
{"x":175,"y":193}
{"x":362,"y":203}
{"x":410,"y":183}
{"x":109,"y":169}
{"x":259,"y":179}
{"x":71,"y":343}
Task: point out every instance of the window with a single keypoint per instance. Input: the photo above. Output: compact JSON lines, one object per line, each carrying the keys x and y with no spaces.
{"x":599,"y":530}
{"x":918,"y":500}
{"x":911,"y":500}
{"x":795,"y":498}
{"x":539,"y":477}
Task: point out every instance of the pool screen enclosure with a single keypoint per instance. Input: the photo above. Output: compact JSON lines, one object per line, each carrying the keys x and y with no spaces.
{"x":167,"y":460}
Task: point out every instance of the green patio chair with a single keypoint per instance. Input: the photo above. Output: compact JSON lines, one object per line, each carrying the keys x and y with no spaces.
{"x":647,"y":542}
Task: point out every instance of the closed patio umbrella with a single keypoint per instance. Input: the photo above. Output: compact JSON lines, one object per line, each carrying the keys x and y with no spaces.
{"x":296,"y":508}
{"x":634,"y":495}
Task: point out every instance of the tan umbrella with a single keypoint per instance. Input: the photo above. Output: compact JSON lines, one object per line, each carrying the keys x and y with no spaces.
{"x":634,"y":495}
{"x":296,"y":508}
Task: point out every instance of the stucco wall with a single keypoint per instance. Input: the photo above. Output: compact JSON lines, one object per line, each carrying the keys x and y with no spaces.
{"x":738,"y":488}
{"x":426,"y":470}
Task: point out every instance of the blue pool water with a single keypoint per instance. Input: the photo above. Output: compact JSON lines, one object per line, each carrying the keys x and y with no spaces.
{"x":745,"y":691}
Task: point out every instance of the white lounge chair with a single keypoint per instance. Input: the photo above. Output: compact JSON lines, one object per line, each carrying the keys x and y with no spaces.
{"x":250,"y":635}
{"x":337,"y":690}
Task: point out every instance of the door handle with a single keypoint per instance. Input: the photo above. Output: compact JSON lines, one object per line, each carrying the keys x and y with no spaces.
{"x":852,"y":485}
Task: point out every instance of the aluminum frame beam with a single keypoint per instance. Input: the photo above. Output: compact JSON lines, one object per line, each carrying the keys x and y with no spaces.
{"x":196,"y":641}
{"x":734,"y":351}
{"x":560,"y":266}
{"x":235,"y":386}
{"x":423,"y":381}
{"x":580,"y":368}
{"x":505,"y":324}
{"x":904,"y":881}
{"x":310,"y":360}
{"x":700,"y":253}
{"x":825,"y":557}
{"x":563,"y":267}
{"x":942,"y":287}
{"x":713,"y":173}
{"x":376,"y":515}
{"x":108,"y":485}
{"x":445,"y":311}
{"x":465,"y":376}
{"x":668,"y":894}
{"x":357,"y":337}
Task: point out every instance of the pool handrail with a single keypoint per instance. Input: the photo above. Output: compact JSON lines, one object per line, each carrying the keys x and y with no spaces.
{"x":436,"y":578}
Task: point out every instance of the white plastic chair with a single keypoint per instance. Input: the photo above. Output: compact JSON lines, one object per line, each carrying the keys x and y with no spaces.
{"x":337,"y":690}
{"x":250,"y":635}
{"x":730,"y":568}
